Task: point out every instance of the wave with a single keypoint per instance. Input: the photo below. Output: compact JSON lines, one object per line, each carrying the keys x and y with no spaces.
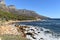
{"x":40,"y":33}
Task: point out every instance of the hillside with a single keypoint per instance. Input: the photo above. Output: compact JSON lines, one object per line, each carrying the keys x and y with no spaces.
{"x":10,"y":12}
{"x":11,"y":16}
{"x":25,"y":12}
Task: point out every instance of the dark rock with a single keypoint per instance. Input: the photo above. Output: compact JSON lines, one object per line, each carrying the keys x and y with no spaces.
{"x":41,"y":38}
{"x":16,"y":25}
{"x":33,"y":37}
{"x":38,"y":32}
{"x":32,"y":29}
{"x":48,"y":32}
{"x":29,"y":34}
{"x":41,"y":29}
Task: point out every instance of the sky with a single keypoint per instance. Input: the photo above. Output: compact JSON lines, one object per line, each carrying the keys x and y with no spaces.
{"x":49,"y":8}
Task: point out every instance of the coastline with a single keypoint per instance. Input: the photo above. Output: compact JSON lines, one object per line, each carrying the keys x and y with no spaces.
{"x":14,"y":21}
{"x":28,"y":32}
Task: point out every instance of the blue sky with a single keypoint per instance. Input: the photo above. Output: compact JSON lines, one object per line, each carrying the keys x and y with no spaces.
{"x":49,"y":8}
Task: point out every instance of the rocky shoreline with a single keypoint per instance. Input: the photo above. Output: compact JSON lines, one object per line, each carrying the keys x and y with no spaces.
{"x":36,"y":33}
{"x":28,"y":32}
{"x":11,"y":32}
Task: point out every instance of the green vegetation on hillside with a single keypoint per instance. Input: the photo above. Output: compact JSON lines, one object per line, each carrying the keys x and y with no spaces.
{"x":11,"y":16}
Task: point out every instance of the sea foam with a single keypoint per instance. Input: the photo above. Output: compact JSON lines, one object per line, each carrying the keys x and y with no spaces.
{"x":39,"y":33}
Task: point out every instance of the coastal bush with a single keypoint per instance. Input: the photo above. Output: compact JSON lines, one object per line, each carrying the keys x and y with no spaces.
{"x":12,"y":37}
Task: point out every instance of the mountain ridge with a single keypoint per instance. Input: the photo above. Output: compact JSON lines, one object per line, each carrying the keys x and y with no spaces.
{"x":21,"y":12}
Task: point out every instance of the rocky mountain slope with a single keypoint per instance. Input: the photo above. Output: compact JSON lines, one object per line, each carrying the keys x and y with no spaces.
{"x":20,"y":12}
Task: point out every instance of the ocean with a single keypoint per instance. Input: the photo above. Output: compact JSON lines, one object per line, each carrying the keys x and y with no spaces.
{"x":53,"y":25}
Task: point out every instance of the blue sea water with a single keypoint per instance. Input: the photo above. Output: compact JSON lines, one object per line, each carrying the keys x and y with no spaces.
{"x":53,"y":25}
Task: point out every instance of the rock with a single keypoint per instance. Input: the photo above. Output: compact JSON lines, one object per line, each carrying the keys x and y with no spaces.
{"x":41,"y":29}
{"x":29,"y":34}
{"x":9,"y":30}
{"x":32,"y":29}
{"x":38,"y":32}
{"x":41,"y":39}
{"x":33,"y":37}
{"x":34,"y":33}
{"x":48,"y":32}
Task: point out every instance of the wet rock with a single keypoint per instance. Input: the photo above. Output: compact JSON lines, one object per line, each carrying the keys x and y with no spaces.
{"x":41,"y":29}
{"x":33,"y":37}
{"x":41,"y":39}
{"x":32,"y":29}
{"x":36,"y":29}
{"x":48,"y":32}
{"x":29,"y":34}
{"x":38,"y":32}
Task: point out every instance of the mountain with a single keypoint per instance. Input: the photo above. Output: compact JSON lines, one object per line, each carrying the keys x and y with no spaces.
{"x":27,"y":13}
{"x":3,"y":6}
{"x":20,"y":13}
